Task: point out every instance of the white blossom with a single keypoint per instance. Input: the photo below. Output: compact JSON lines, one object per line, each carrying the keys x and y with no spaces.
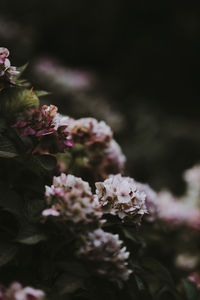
{"x":106,"y":251}
{"x":70,"y":198}
{"x":89,"y":131}
{"x":119,"y":196}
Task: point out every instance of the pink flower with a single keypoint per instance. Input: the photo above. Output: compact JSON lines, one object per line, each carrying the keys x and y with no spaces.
{"x":7,"y":72}
{"x":17,"y":292}
{"x":4,"y":53}
{"x":42,"y":122}
{"x":71,"y":199}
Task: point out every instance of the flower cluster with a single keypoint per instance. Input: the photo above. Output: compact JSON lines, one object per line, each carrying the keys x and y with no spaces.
{"x":110,"y":160}
{"x":7,"y":72}
{"x":100,"y":154}
{"x":176,"y":212}
{"x":44,"y":122}
{"x":17,"y":292}
{"x":119,"y":196}
{"x":105,"y":250}
{"x":70,"y":199}
{"x":90,"y":132}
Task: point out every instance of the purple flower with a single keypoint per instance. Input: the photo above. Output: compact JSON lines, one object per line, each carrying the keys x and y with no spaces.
{"x":41,"y":122}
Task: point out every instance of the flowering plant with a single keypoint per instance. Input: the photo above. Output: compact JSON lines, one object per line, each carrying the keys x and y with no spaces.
{"x":72,"y":226}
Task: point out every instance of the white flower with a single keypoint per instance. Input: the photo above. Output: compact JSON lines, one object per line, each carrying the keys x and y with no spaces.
{"x":70,"y":198}
{"x":119,"y":196}
{"x":60,"y":120}
{"x":89,"y":131}
{"x":175,"y":211}
{"x":17,"y":292}
{"x":106,"y":251}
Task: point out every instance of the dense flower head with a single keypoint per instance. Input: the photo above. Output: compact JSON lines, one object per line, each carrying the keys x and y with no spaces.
{"x":41,"y":122}
{"x":176,"y":212}
{"x":90,"y":132}
{"x":108,"y":161}
{"x":7,"y":72}
{"x":105,"y":250}
{"x":70,"y":199}
{"x":17,"y":292}
{"x":119,"y":196}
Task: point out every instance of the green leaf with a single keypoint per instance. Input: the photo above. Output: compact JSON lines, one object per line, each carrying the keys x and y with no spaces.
{"x":21,"y":70}
{"x":7,"y":148}
{"x":30,"y":234}
{"x":42,"y":93}
{"x":40,"y":164}
{"x":72,"y":267}
{"x":7,"y":252}
{"x":10,"y":200}
{"x":48,"y":162}
{"x":190,"y":290}
{"x":16,"y":100}
{"x":32,"y":239}
{"x":33,"y":207}
{"x":67,"y":284}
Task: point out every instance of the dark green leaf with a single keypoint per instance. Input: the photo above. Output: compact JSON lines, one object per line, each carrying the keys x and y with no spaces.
{"x":41,"y":93}
{"x":67,"y":284}
{"x":48,"y":162}
{"x":7,"y":148}
{"x":30,"y":235}
{"x":21,"y":70}
{"x":7,"y":252}
{"x":190,"y":290}
{"x":10,"y":200}
{"x":16,"y":100}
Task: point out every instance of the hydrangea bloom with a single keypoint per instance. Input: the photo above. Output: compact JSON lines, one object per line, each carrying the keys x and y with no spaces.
{"x":70,"y":198}
{"x":109,"y":161}
{"x":40,"y":122}
{"x":105,"y":250}
{"x":177,"y":212}
{"x":7,"y":72}
{"x":17,"y":292}
{"x":89,"y":131}
{"x":119,"y":196}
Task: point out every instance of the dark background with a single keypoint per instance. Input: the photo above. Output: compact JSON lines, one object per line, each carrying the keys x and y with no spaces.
{"x":146,"y":58}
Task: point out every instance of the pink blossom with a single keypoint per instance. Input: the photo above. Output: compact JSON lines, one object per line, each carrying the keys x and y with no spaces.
{"x":71,"y":198}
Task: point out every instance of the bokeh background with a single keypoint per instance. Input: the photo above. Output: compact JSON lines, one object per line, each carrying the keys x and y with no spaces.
{"x":134,"y":64}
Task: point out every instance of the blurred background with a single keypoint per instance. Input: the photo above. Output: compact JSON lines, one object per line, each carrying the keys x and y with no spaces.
{"x":133,"y":64}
